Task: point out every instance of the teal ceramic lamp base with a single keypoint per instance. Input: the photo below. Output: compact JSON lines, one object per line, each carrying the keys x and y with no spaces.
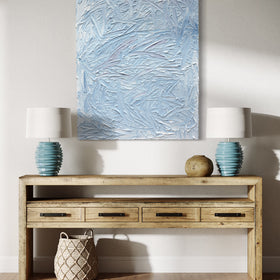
{"x":49,"y":158}
{"x":229,"y":158}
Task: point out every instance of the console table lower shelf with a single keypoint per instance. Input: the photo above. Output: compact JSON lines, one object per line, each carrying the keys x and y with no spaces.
{"x":159,"y":276}
{"x":142,"y":213}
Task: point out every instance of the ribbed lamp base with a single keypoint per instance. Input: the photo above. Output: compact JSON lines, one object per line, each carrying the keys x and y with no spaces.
{"x":49,"y":158}
{"x":229,"y":158}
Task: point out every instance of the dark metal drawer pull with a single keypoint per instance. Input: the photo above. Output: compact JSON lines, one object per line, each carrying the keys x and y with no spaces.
{"x":228,"y":214}
{"x":111,"y":214}
{"x":169,"y":214}
{"x":53,"y":214}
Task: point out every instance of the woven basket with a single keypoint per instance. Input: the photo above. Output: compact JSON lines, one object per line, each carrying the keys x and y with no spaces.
{"x":76,"y":258}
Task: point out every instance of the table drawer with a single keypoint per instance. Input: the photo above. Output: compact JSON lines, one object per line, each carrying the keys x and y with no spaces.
{"x":168,"y":214}
{"x":54,"y":214}
{"x":112,"y":214}
{"x":227,"y":214}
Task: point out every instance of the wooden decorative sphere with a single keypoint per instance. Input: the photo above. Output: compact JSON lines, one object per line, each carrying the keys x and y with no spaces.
{"x":199,"y":166}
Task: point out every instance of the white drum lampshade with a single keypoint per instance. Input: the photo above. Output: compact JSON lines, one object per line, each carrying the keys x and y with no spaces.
{"x":48,"y":123}
{"x":229,"y":122}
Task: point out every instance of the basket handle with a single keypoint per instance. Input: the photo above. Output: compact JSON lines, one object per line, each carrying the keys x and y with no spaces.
{"x":65,"y":235}
{"x":127,"y":237}
{"x":89,"y":230}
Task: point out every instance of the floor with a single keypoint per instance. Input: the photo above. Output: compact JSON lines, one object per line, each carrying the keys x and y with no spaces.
{"x":158,"y":276}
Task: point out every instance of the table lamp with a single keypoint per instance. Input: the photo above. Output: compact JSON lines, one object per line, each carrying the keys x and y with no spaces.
{"x":48,"y":123}
{"x":228,"y":122}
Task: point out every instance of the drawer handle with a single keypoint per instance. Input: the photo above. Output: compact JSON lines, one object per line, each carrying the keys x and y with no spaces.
{"x":228,"y":214}
{"x":169,"y":214}
{"x":53,"y":214}
{"x":111,"y":214}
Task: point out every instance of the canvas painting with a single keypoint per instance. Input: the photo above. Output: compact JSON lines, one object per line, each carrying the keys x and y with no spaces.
{"x":137,"y":69}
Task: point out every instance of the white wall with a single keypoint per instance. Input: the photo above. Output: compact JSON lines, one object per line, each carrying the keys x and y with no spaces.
{"x":239,"y":66}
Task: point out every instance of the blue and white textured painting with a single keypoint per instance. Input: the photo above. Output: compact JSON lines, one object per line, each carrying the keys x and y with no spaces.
{"x":137,"y":69}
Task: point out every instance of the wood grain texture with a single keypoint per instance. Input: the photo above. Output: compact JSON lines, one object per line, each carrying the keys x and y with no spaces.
{"x":152,"y":276}
{"x":141,"y":225}
{"x":174,"y":276}
{"x":251,"y":207}
{"x":188,"y":214}
{"x":259,"y":229}
{"x":208,"y":214}
{"x":72,"y":214}
{"x":136,"y":202}
{"x":22,"y":228}
{"x":252,"y":193}
{"x":25,"y":235}
{"x":131,"y":214}
{"x":129,"y":180}
{"x":251,"y":252}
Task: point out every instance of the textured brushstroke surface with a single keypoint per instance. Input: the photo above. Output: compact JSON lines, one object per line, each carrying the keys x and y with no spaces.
{"x":137,"y":69}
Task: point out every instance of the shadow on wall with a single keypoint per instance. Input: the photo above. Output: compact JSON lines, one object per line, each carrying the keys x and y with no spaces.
{"x":111,"y":249}
{"x":85,"y":157}
{"x":265,"y":125}
{"x":263,"y":156}
{"x":232,"y":24}
{"x":114,"y":254}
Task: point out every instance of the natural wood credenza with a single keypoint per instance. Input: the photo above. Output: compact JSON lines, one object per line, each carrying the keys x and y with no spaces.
{"x":140,"y":212}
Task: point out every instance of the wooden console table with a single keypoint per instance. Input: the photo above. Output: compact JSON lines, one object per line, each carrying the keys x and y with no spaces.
{"x":140,"y":212}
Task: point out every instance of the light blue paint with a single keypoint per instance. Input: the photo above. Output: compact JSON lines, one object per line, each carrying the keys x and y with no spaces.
{"x":137,"y":69}
{"x":48,"y":158}
{"x":229,"y":158}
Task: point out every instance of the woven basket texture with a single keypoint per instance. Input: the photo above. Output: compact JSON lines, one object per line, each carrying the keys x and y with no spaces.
{"x":76,"y":258}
